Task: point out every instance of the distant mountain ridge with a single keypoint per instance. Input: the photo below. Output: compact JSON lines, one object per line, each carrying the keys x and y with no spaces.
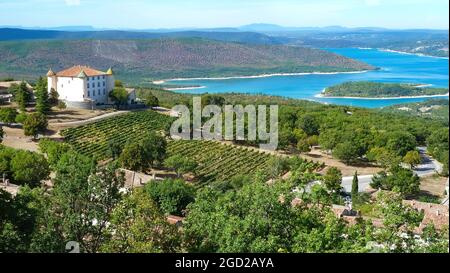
{"x":10,"y":34}
{"x":416,"y":41}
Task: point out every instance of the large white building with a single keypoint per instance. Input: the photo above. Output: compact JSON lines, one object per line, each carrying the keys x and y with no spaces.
{"x":82,"y":84}
{"x":85,"y":87}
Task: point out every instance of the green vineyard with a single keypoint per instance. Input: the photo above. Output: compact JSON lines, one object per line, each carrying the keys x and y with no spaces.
{"x":219,"y":162}
{"x":216,"y":161}
{"x":92,"y":139}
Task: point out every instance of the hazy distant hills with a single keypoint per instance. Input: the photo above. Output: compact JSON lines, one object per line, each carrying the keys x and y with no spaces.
{"x":420,"y":41}
{"x":139,"y":59}
{"x":9,"y":34}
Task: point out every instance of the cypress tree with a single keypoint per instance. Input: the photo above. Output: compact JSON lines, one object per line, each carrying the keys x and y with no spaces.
{"x":355,"y":186}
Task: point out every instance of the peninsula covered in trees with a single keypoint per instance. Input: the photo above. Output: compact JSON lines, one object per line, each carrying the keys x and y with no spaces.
{"x":366,"y":89}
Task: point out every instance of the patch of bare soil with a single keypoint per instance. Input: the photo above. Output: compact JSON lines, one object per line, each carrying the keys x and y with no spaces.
{"x":15,"y":138}
{"x":347,"y":170}
{"x":72,"y":114}
{"x":433,"y":185}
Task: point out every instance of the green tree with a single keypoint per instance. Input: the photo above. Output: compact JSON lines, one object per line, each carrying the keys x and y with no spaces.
{"x":54,"y":150}
{"x":119,"y":96}
{"x":17,"y":221}
{"x":42,"y":97}
{"x":355,"y":186}
{"x":29,"y":168}
{"x":346,"y":152}
{"x":118,"y":83}
{"x":303,"y":146}
{"x":313,"y":140}
{"x":329,"y":138}
{"x":54,"y":97}
{"x":137,"y":226}
{"x":133,"y":158}
{"x":209,"y":99}
{"x":145,"y":154}
{"x":309,"y":124}
{"x":8,"y":115}
{"x":412,"y":158}
{"x":20,"y":118}
{"x":21,"y":95}
{"x":115,"y":148}
{"x":34,"y":124}
{"x":180,"y":164}
{"x":150,"y":100}
{"x":384,"y":157}
{"x":399,"y":180}
{"x":6,"y":154}
{"x":333,"y":180}
{"x":401,"y":142}
{"x":171,"y":195}
{"x":83,"y":200}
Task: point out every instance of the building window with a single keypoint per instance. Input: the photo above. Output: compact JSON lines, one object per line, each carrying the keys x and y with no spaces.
{"x":98,"y":84}
{"x":88,"y":85}
{"x":89,"y":93}
{"x":104,"y":91}
{"x":99,"y":92}
{"x":104,"y":84}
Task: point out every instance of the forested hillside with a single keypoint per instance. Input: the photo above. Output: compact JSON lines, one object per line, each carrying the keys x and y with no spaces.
{"x":139,"y":60}
{"x":375,"y":89}
{"x":436,"y":109}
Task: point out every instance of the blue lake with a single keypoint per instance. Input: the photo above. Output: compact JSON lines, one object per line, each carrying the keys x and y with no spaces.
{"x":394,"y":67}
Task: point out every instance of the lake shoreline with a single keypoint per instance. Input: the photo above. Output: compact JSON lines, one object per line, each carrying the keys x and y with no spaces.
{"x":403,"y":52}
{"x":321,"y":96}
{"x":184,"y":88}
{"x":260,"y":76}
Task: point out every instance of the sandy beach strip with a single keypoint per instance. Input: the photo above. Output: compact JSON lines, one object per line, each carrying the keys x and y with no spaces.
{"x":184,"y":88}
{"x":382,"y":98}
{"x":264,"y":76}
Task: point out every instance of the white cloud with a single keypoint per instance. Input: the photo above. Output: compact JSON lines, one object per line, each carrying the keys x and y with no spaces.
{"x":373,"y":3}
{"x":73,"y":2}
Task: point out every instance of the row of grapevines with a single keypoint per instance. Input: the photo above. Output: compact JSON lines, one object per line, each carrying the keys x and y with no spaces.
{"x":92,"y":139}
{"x":218,"y":162}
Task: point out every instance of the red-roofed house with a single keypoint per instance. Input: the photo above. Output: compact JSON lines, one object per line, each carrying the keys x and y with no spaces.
{"x":82,"y":84}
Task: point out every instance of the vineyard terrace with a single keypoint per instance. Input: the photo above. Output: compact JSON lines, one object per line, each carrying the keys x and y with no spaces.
{"x":220,"y":126}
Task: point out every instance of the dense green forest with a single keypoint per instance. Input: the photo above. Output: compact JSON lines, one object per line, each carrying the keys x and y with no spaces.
{"x":138,"y":61}
{"x":376,"y":90}
{"x":435,"y":109}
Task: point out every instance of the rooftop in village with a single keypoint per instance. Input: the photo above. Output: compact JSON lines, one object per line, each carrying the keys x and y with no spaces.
{"x":80,"y":71}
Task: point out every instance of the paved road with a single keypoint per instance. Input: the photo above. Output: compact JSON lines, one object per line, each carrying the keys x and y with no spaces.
{"x":428,"y":166}
{"x":363,"y":185}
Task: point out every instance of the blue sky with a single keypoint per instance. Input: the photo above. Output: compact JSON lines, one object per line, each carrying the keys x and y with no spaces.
{"x":143,"y":14}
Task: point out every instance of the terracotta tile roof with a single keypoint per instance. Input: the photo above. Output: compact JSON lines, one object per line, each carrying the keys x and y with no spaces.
{"x":175,"y":220}
{"x":76,"y":70}
{"x":435,"y":214}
